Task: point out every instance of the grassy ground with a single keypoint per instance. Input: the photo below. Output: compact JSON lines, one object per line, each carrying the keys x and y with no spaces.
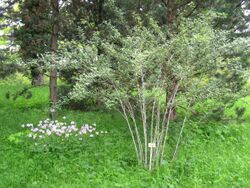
{"x":210,"y":156}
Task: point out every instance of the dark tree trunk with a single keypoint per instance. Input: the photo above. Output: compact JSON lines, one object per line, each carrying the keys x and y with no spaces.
{"x":100,"y":11}
{"x":171,"y":15}
{"x":37,"y":75}
{"x":54,"y":47}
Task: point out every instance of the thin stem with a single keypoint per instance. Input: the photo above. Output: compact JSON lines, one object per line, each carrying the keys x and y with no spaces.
{"x":124,"y":114}
{"x":151,"y":134}
{"x":179,"y":138}
{"x":158,"y":121}
{"x":144,"y":118}
{"x":167,"y":126}
{"x":180,"y":135}
{"x":132,"y":114}
{"x":166,"y":117}
{"x":130,"y":129}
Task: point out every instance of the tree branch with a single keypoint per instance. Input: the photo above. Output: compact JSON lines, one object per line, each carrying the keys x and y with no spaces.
{"x":184,"y":4}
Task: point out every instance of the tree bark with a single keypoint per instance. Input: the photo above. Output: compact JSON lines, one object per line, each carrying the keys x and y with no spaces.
{"x":171,"y":15}
{"x":100,"y":11}
{"x":171,"y":12}
{"x":54,"y":47}
{"x":37,"y":75}
{"x":169,"y":94}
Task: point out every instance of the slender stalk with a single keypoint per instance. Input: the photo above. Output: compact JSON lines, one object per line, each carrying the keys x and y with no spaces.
{"x":179,"y":138}
{"x":132,"y":114}
{"x":180,"y":134}
{"x":167,"y":126}
{"x":124,"y":114}
{"x":144,"y":118}
{"x":151,"y":134}
{"x":158,"y":121}
{"x":165,"y":138}
{"x":130,"y":129}
{"x":166,"y":116}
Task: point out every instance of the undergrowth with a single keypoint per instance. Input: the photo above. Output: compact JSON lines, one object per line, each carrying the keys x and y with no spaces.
{"x":210,"y":155}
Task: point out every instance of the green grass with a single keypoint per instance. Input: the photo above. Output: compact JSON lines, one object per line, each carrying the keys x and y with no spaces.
{"x":210,"y":155}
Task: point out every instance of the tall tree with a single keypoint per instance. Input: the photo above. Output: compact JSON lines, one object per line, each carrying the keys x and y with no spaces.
{"x":54,"y":47}
{"x":33,"y":35}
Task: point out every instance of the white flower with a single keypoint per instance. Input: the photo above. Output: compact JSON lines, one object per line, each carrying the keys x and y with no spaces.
{"x":80,"y":138}
{"x":106,"y":132}
{"x":48,"y":132}
{"x":91,"y":135}
{"x":58,"y":134}
{"x":97,"y":133}
{"x":41,"y":136}
{"x":30,"y":135}
{"x":82,"y":131}
{"x":22,"y":125}
{"x":41,"y":131}
{"x":94,"y":124}
{"x":29,"y":125}
{"x":64,"y":117}
{"x":44,"y":126}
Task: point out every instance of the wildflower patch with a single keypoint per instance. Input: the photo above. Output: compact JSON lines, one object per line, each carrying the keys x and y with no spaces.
{"x":63,"y":130}
{"x":56,"y":136}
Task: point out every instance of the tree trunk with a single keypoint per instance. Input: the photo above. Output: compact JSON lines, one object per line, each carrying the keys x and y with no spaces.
{"x":100,"y":11}
{"x":169,"y":93}
{"x":171,"y":15}
{"x":54,"y":47}
{"x":37,"y":76}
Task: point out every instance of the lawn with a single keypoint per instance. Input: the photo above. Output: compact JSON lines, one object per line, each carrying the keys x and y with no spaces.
{"x":212,"y":155}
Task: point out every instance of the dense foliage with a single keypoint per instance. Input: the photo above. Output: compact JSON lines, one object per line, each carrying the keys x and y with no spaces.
{"x":175,"y":72}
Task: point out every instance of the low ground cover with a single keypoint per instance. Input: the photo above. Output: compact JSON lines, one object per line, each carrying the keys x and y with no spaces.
{"x":211,"y":155}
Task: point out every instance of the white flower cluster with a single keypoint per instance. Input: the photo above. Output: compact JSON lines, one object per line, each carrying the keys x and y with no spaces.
{"x":48,"y":128}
